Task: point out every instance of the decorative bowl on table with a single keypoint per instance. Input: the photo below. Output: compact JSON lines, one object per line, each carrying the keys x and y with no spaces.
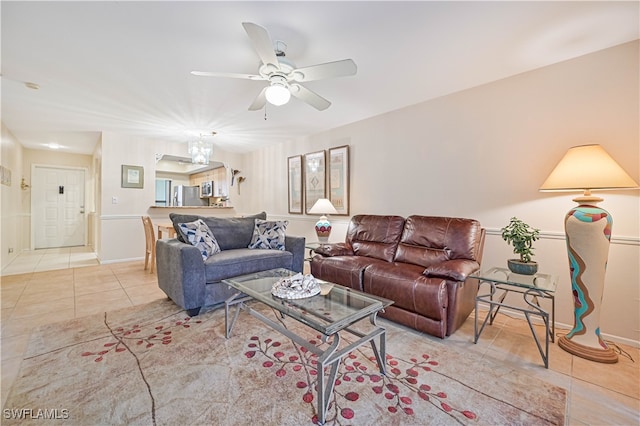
{"x":296,"y":287}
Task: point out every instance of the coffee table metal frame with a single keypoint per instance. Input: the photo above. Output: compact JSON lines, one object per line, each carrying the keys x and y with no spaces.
{"x":531,"y":287}
{"x":258,"y":287}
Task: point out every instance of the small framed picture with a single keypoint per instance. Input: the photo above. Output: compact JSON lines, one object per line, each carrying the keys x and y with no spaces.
{"x":132,"y":176}
{"x":295,"y":184}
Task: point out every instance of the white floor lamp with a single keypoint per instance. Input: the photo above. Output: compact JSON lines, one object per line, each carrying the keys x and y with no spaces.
{"x":588,"y":231}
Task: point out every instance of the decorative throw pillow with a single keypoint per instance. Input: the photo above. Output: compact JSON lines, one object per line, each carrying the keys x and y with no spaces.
{"x":268,"y":234}
{"x":199,"y":235}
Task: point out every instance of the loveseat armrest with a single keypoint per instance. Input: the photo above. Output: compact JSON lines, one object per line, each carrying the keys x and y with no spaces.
{"x":335,"y":249}
{"x":295,"y":245}
{"x":455,"y":269}
{"x":181,"y":273}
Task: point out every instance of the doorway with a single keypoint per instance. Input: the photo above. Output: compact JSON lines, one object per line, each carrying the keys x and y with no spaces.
{"x":57,"y":207}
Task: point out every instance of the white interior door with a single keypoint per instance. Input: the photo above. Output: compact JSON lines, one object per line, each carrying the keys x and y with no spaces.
{"x":57,"y":207}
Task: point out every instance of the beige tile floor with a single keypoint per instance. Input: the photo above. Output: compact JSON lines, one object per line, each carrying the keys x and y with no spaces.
{"x":51,"y":259}
{"x":598,"y":394}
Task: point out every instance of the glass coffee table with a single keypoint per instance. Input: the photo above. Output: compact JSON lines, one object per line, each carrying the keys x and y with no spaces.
{"x":329,"y":314}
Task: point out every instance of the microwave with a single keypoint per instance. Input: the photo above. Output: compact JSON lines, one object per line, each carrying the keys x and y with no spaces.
{"x":206,"y":189}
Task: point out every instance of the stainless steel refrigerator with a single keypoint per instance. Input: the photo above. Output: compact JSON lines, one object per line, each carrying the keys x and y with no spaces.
{"x":163,"y":192}
{"x":184,"y":195}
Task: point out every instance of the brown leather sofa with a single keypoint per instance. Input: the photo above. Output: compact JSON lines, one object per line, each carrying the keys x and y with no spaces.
{"x":420,"y":263}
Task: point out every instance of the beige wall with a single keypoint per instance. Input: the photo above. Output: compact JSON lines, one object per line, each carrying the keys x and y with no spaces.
{"x":12,"y":200}
{"x":483,"y":153}
{"x":121,"y":235}
{"x":16,"y":203}
{"x":33,"y":157}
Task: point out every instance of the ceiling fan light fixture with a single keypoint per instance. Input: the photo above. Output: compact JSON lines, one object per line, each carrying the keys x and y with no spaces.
{"x":277,"y":94}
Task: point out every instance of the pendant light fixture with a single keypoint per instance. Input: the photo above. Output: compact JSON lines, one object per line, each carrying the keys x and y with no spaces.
{"x":200,"y":150}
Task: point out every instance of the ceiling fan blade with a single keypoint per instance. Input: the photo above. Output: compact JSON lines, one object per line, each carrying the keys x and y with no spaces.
{"x":260,"y":101}
{"x":227,"y":75}
{"x":262,"y":43}
{"x":310,"y":97}
{"x":341,"y":68}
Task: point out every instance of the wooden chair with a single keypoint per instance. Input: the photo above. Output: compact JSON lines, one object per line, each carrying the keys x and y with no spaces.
{"x":150,"y":238}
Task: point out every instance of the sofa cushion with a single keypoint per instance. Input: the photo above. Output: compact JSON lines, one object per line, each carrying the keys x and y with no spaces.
{"x":343,"y":270}
{"x":230,"y":232}
{"x":374,"y":236}
{"x":232,"y":263}
{"x":408,"y":288}
{"x":197,"y":233}
{"x":268,"y":234}
{"x":429,"y":240}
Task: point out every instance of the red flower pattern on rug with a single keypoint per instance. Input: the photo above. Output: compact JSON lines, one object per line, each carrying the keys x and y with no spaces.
{"x":404,"y":383}
{"x":136,"y":334}
{"x":150,"y":371}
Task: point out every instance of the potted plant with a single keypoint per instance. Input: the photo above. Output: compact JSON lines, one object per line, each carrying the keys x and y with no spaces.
{"x":521,"y":236}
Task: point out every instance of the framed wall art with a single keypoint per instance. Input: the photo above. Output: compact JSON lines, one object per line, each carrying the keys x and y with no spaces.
{"x":339,"y":178}
{"x":132,"y":176}
{"x":294,"y":167}
{"x":314,"y":178}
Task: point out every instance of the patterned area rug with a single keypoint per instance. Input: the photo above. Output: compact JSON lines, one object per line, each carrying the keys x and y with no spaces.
{"x":153,"y":365}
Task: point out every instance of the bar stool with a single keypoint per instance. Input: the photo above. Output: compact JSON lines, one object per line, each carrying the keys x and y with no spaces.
{"x":150,"y":238}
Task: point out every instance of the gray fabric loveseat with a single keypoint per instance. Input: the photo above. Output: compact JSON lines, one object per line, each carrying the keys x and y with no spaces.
{"x":192,"y":282}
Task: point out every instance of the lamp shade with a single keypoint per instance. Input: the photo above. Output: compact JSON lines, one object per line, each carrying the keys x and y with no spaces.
{"x":323,"y":206}
{"x":587,"y":167}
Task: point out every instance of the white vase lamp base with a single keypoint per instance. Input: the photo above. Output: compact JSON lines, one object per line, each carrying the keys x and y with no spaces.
{"x":588,"y":230}
{"x":323,"y":229}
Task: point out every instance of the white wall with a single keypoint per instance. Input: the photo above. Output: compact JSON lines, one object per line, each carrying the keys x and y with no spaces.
{"x":483,"y":153}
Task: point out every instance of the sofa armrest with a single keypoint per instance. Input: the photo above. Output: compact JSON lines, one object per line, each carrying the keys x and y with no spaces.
{"x":335,"y":249}
{"x":295,"y":245}
{"x":181,"y":273}
{"x":455,"y":269}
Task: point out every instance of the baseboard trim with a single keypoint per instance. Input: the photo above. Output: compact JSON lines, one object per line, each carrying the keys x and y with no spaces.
{"x":562,"y":326}
{"x":109,"y":262}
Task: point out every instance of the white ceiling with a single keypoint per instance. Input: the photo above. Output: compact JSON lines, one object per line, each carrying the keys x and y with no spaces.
{"x":125,"y":66}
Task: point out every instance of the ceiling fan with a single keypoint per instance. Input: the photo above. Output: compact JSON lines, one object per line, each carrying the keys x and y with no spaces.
{"x":283,"y":76}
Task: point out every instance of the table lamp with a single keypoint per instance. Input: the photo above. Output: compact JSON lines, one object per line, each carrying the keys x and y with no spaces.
{"x":588,"y":233}
{"x":323,"y":227}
